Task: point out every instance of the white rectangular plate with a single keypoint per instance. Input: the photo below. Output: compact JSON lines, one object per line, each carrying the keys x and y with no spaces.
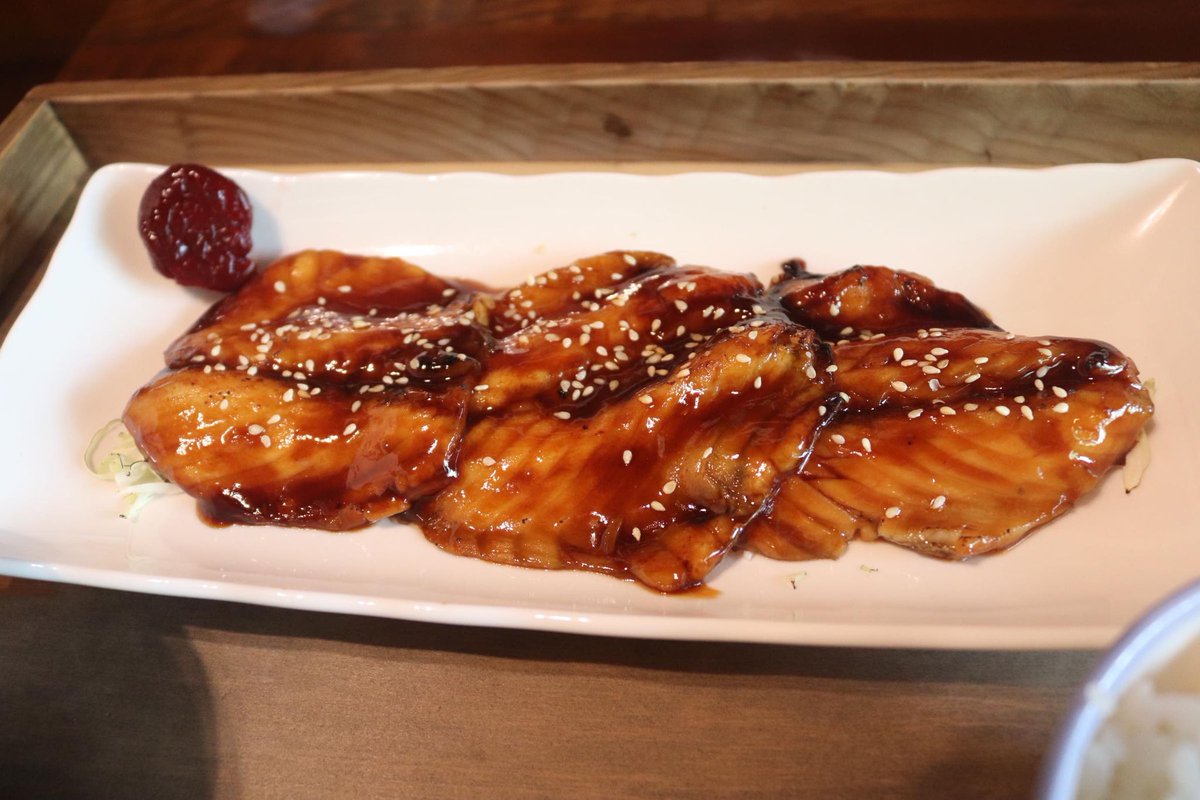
{"x":1099,"y":251}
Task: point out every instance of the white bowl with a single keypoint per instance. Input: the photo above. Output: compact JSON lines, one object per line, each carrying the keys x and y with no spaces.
{"x":1148,"y":645}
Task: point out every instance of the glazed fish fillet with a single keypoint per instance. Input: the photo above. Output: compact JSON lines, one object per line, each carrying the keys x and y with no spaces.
{"x":647,"y":430}
{"x":329,"y":392}
{"x":627,"y":415}
{"x":956,"y":439}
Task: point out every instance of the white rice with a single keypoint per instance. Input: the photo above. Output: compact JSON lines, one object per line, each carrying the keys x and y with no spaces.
{"x":1149,"y":747}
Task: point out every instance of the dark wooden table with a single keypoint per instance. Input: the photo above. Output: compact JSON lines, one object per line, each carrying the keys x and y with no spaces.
{"x":107,"y":694}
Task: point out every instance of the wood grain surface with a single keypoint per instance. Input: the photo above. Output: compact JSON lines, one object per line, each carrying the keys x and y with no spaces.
{"x":829,"y":112}
{"x":108,"y":694}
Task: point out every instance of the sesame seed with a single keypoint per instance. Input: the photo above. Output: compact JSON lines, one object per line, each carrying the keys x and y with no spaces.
{"x":1003,"y":411}
{"x":900,"y":386}
{"x":974,"y":376}
{"x":970,"y":406}
{"x":758,"y":382}
{"x":846,"y":331}
{"x":937,"y":502}
{"x":929,"y":369}
{"x":1061,"y":408}
{"x":482,"y":387}
{"x":831,"y":368}
{"x":837,"y":438}
{"x":1027,"y":412}
{"x":866,"y":443}
{"x":1058,"y":391}
{"x":216,"y":351}
{"x":637,"y":534}
{"x":835,"y":309}
{"x":255,"y":430}
{"x":290,"y":394}
{"x":1041,"y":372}
{"x":898,"y":354}
{"x":266,"y":440}
{"x":355,"y":406}
{"x":669,"y":487}
{"x":981,"y":360}
{"x":682,"y":306}
{"x":947,"y":410}
{"x":345,"y":288}
{"x":224,"y":404}
{"x":1020,"y":398}
{"x":487,"y":461}
{"x":743,"y":358}
{"x":274,"y":418}
{"x":657,"y":506}
{"x":844,"y":396}
{"x":939,"y":351}
{"x":1046,"y":351}
{"x":280,"y":287}
{"x":708,"y":451}
{"x":1009,"y":336}
{"x":909,"y":362}
{"x":810,"y":373}
{"x":916,"y":412}
{"x":627,"y":457}
{"x":1039,"y":384}
{"x":646,"y":399}
{"x":630,"y":260}
{"x":349,"y":429}
{"x":892,"y":512}
{"x":563,"y":414}
{"x":1044,"y":342}
{"x":821,"y":410}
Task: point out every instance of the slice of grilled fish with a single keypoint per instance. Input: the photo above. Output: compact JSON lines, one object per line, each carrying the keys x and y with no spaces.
{"x":329,"y":392}
{"x":634,"y":428}
{"x":655,"y":483}
{"x":957,"y":439}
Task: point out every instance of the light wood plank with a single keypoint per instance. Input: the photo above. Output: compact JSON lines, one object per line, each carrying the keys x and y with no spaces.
{"x":868,"y":113}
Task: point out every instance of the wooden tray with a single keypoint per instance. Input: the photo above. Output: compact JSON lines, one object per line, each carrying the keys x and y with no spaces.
{"x":627,"y":115}
{"x":211,"y":697}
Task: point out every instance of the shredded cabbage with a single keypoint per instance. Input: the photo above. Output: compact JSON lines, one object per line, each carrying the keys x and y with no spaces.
{"x":124,"y":465}
{"x":1137,"y":460}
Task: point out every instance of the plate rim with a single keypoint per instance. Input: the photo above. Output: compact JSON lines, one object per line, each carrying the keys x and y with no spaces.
{"x":624,"y":624}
